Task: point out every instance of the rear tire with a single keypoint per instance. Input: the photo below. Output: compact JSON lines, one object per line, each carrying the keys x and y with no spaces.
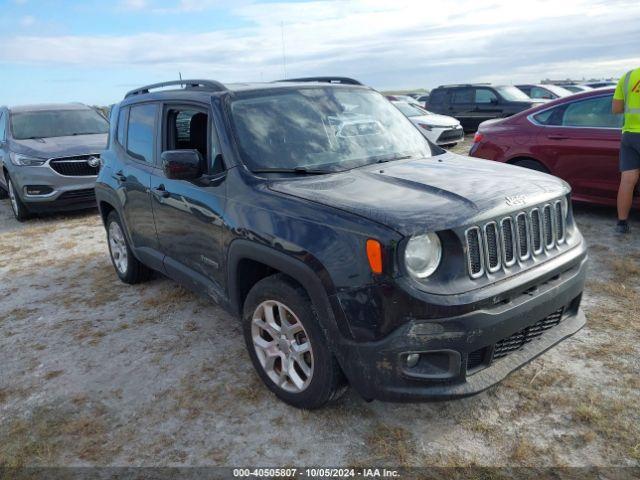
{"x":531,"y":164}
{"x":127,"y":266}
{"x":287,"y":346}
{"x":19,"y":210}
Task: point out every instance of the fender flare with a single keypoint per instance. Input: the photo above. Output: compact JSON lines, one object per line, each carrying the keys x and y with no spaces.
{"x":110,"y":197}
{"x":318,"y":291}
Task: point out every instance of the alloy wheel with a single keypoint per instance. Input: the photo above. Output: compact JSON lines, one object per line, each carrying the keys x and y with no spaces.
{"x":282,"y":346}
{"x":118,"y":248}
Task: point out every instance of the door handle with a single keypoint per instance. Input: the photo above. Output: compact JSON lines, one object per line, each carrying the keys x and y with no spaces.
{"x":121,"y":177}
{"x":557,"y":136}
{"x":161,"y":191}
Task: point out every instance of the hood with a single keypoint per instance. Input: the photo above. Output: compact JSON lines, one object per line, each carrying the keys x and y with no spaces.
{"x":436,"y":120}
{"x":61,"y":146}
{"x":430,"y":194}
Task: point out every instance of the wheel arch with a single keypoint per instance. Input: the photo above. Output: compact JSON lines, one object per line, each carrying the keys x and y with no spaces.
{"x":249,"y":262}
{"x":105,"y":208}
{"x":519,"y":158}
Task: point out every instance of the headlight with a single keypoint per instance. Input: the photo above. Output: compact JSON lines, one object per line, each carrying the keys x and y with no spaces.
{"x":422,"y":255}
{"x":25,"y":160}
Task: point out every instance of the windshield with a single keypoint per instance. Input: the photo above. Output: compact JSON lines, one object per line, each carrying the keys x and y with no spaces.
{"x":57,"y":123}
{"x":410,"y":110}
{"x":513,"y":94}
{"x":323,"y":128}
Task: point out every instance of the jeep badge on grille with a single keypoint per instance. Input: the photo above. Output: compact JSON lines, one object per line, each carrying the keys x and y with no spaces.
{"x":515,"y":200}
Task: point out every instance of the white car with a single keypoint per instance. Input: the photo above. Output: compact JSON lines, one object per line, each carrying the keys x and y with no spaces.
{"x":404,"y":98}
{"x":439,"y":129}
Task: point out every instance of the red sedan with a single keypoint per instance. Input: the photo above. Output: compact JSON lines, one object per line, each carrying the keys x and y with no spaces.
{"x":576,"y":138}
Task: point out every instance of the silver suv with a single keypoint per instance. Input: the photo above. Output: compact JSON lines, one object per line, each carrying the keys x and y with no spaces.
{"x":50,"y":156}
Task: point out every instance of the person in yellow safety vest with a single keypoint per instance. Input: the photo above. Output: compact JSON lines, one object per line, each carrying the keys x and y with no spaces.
{"x":626,"y":100}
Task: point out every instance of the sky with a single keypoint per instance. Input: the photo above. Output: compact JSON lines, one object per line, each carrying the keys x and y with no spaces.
{"x":93,"y":51}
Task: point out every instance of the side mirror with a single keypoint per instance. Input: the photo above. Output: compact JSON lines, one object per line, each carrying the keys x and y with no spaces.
{"x":182,"y":164}
{"x":494,"y":101}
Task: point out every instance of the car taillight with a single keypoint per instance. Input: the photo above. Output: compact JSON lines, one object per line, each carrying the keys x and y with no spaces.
{"x":478,"y":137}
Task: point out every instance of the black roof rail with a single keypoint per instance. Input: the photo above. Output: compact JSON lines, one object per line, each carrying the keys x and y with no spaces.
{"x":340,"y":80}
{"x":211,"y":85}
{"x":463,"y":85}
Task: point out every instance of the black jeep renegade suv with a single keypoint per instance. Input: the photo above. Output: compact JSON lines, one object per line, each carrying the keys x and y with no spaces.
{"x":353,"y":250}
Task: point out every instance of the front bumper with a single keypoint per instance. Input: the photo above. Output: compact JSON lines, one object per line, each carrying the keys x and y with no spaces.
{"x":450,"y":136}
{"x":62,"y":192}
{"x":457,"y":353}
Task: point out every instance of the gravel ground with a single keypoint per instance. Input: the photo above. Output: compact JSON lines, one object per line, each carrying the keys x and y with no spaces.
{"x":95,"y":372}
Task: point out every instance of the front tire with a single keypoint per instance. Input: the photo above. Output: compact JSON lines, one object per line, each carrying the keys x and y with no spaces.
{"x":127,"y":266}
{"x":19,"y":210}
{"x":287,"y":346}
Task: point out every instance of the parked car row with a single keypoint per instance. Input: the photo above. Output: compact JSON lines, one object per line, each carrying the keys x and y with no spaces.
{"x":576,"y":138}
{"x":440,"y":129}
{"x":473,"y":104}
{"x":355,"y":251}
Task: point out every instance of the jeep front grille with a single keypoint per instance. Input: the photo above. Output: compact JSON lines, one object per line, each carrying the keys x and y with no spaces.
{"x":499,"y":244}
{"x":476,"y":265}
{"x":508,"y":241}
{"x":77,"y":166}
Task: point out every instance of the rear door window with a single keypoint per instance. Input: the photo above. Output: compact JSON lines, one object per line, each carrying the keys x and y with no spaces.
{"x":140,"y":132}
{"x":485,"y":95}
{"x":462,"y":95}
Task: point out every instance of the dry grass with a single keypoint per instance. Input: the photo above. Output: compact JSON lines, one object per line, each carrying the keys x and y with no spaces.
{"x":51,"y":431}
{"x":387,"y":444}
{"x":625,"y":269}
{"x":527,"y":453}
{"x":53,"y":374}
{"x":169,"y":297}
{"x":18,"y":313}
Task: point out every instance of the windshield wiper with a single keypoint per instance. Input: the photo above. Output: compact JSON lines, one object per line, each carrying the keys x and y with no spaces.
{"x":298,"y":170}
{"x":392,"y":158}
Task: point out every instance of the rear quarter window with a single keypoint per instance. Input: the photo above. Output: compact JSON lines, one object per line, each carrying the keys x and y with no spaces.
{"x":122,"y":126}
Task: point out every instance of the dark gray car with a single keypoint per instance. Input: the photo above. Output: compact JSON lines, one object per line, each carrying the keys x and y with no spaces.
{"x":50,"y":156}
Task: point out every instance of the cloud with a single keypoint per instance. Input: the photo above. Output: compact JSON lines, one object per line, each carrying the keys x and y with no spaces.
{"x":133,"y":4}
{"x":27,"y":21}
{"x":386,"y":44}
